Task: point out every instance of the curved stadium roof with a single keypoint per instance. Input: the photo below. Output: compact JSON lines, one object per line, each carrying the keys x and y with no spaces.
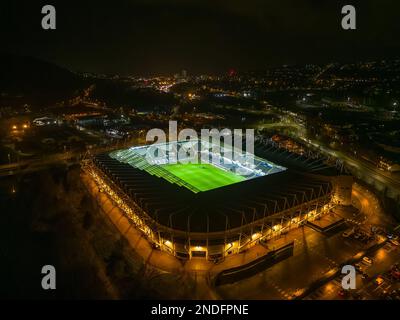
{"x":215,"y":210}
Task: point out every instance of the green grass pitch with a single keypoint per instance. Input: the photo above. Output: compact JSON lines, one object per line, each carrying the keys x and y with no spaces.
{"x":203,"y":176}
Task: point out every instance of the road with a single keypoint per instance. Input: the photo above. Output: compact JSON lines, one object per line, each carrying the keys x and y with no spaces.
{"x":369,"y":205}
{"x":370,"y":213}
{"x":315,"y":255}
{"x":37,"y":164}
{"x":367,"y":288}
{"x":385,"y":178}
{"x":366,"y":168}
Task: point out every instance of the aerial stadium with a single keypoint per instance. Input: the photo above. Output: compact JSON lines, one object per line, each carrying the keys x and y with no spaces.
{"x":220,"y":205}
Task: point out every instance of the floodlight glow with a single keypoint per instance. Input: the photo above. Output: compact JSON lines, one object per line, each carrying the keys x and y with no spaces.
{"x":196,"y":165}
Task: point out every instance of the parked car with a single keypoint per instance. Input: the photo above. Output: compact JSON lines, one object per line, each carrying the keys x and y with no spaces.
{"x":395,"y":242}
{"x":342,"y":293}
{"x":395,"y":274}
{"x":367,"y":260}
{"x":379,"y":280}
{"x":348,"y":233}
{"x":357,"y":235}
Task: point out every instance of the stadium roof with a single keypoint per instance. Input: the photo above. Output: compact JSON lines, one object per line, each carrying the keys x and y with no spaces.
{"x":215,"y":210}
{"x":302,"y":163}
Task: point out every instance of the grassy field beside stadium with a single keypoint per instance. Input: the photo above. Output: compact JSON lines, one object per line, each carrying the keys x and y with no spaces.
{"x":203,"y":176}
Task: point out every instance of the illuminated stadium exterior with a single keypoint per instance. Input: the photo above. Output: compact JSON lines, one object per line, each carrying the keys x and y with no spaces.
{"x":189,"y":218}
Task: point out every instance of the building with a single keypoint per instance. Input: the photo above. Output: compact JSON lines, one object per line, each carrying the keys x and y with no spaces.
{"x":213,"y":223}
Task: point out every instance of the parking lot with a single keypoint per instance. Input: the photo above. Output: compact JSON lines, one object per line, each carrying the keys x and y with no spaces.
{"x":378,"y":277}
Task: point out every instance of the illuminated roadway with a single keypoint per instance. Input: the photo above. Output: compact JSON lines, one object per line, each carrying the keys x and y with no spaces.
{"x":364,"y":168}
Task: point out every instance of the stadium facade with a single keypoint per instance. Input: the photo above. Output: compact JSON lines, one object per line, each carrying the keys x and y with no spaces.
{"x":178,"y":216}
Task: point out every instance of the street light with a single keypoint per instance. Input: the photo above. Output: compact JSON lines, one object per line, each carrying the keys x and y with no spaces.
{"x":276,"y":227}
{"x":168,"y":243}
{"x":256,"y":235}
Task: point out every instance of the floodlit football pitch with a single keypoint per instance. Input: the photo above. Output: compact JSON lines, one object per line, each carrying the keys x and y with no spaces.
{"x":195,"y":176}
{"x":203,"y":176}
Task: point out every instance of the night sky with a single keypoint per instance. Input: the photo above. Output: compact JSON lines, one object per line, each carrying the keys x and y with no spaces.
{"x":164,"y":37}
